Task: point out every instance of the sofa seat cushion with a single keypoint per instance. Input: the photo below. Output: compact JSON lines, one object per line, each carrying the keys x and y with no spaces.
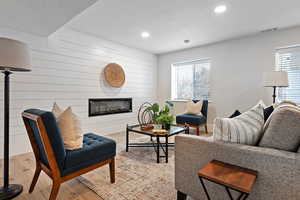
{"x":283,"y":129}
{"x":95,"y":149}
{"x":190,"y":119}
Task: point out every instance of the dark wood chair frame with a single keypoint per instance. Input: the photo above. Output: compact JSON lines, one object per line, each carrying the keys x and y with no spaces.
{"x":53,"y":171}
{"x":196,"y":127}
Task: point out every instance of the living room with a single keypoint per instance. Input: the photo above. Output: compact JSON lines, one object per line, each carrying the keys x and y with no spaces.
{"x":126,"y":71}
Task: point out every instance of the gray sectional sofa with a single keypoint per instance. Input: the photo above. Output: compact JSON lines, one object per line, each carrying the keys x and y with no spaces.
{"x":278,"y":178}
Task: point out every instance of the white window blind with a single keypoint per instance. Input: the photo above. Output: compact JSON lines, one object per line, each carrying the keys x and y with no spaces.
{"x":190,"y":80}
{"x":288,"y":59}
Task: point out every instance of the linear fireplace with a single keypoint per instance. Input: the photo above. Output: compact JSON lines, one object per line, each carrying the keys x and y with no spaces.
{"x":105,"y":106}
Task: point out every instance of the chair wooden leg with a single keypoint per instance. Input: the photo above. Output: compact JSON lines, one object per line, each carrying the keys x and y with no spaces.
{"x":54,"y":191}
{"x":112,"y":170}
{"x":197,"y":130}
{"x":206,"y":129}
{"x":35,"y":178}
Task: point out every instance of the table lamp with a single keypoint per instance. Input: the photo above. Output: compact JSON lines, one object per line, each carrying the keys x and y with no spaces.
{"x":14,"y":56}
{"x":275,"y":79}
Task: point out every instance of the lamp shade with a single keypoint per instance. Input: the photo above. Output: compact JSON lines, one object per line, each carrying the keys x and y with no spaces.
{"x":14,"y":55}
{"x":276,"y":78}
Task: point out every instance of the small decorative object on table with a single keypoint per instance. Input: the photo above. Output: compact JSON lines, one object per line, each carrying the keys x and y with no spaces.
{"x":230,"y":176}
{"x":145,"y":117}
{"x":166,"y":120}
{"x":150,"y":114}
{"x":161,"y":116}
{"x":159,"y":131}
{"x":147,"y":127}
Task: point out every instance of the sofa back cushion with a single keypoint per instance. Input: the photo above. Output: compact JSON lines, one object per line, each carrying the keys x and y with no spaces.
{"x":283,"y":129}
{"x":243,"y":129}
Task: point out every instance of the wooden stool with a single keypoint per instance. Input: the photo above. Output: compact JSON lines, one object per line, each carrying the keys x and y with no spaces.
{"x":230,"y":176}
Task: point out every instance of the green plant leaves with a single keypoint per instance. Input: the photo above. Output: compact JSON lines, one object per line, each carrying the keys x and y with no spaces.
{"x":155,"y":107}
{"x":165,"y":119}
{"x":161,"y":116}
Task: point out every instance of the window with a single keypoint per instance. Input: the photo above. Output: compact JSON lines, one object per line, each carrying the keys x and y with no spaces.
{"x":288,"y":59}
{"x":190,"y":80}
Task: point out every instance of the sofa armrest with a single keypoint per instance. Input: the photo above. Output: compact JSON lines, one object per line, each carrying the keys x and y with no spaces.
{"x":277,"y":169}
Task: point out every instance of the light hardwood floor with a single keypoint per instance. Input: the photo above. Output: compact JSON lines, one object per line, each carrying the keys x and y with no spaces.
{"x":22,"y":169}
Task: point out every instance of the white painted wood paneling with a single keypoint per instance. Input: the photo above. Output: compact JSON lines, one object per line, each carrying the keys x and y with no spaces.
{"x":67,"y":68}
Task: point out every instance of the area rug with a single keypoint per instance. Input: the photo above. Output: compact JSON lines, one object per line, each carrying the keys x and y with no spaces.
{"x":138,"y":177}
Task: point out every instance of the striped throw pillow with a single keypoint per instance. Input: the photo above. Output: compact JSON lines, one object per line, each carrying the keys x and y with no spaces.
{"x":243,"y":129}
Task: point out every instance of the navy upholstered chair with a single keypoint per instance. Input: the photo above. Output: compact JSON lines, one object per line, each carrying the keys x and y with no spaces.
{"x":195,"y":121}
{"x":58,"y":163}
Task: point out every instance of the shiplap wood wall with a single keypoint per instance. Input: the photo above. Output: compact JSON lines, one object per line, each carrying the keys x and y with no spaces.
{"x":67,"y":68}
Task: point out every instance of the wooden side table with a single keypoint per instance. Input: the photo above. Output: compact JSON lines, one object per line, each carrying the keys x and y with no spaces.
{"x":230,"y":176}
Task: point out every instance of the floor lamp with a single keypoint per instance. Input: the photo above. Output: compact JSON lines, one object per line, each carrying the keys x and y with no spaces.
{"x":276,"y":79}
{"x":14,"y":56}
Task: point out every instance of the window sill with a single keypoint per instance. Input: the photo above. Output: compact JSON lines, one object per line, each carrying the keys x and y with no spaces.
{"x":183,"y":100}
{"x":179,"y":100}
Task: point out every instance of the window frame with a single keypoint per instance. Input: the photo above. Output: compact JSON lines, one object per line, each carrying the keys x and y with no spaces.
{"x":173,"y":66}
{"x":282,"y":50}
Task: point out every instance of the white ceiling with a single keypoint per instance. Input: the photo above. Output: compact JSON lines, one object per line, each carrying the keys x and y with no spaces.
{"x":172,"y":21}
{"x":41,"y":17}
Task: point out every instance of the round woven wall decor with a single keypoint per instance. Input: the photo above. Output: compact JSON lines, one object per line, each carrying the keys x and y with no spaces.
{"x":114,"y":75}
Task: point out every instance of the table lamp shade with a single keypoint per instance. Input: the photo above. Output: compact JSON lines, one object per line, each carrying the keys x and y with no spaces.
{"x":276,"y":78}
{"x":14,"y":55}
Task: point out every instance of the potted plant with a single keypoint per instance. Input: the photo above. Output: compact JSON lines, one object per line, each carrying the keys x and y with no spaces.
{"x":161,"y":116}
{"x":165,"y":120}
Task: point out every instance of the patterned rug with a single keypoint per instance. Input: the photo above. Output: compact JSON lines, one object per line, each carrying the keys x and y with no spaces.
{"x":138,"y":176}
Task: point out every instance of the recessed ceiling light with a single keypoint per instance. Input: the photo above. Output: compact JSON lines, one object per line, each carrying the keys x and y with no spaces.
{"x":220,"y":9}
{"x":145,"y":34}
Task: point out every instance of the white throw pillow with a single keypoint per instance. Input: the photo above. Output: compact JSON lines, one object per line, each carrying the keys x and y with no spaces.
{"x":243,"y":129}
{"x":261,"y":102}
{"x":194,"y":108}
{"x":56,"y":110}
{"x":69,"y":126}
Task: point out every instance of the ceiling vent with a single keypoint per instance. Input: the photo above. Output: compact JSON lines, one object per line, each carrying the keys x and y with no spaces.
{"x":269,"y":30}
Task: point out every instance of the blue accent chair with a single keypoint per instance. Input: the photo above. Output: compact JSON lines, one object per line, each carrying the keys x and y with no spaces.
{"x":58,"y":163}
{"x":194,"y":121}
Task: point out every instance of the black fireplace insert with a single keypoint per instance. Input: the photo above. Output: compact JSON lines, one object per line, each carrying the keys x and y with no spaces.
{"x":107,"y":106}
